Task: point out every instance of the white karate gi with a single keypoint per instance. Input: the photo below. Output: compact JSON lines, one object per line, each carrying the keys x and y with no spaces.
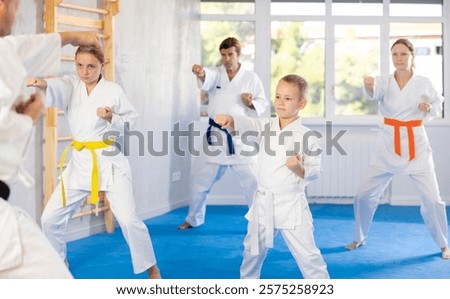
{"x":24,"y":250}
{"x":385,"y":163}
{"x":280,"y":203}
{"x":21,"y":56}
{"x":69,"y":94}
{"x":225,"y":98}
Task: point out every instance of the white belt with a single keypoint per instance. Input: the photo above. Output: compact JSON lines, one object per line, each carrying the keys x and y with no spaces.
{"x":264,"y":196}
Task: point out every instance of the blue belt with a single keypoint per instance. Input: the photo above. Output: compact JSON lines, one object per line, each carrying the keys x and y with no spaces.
{"x":4,"y":190}
{"x":212,"y":123}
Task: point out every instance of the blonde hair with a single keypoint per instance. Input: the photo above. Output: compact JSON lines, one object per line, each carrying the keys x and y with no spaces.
{"x":299,"y":82}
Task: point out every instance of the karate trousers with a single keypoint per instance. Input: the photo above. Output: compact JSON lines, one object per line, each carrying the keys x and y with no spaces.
{"x":301,"y":244}
{"x":203,"y":177}
{"x":120,"y":195}
{"x":432,"y":208}
{"x":35,"y":257}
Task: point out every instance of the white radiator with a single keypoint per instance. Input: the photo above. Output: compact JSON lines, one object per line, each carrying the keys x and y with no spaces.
{"x":341,"y":174}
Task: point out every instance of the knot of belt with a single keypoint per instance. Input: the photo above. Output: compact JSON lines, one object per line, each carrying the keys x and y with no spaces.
{"x":409,"y":126}
{"x":95,"y":179}
{"x":212,"y":123}
{"x":265,"y":196}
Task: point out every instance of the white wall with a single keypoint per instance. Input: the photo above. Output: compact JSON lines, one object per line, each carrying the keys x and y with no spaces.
{"x":154,"y":67}
{"x":156,"y":44}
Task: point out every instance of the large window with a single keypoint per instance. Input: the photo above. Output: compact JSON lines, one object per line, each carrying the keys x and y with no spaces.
{"x":214,"y":32}
{"x":299,"y":47}
{"x":356,"y":55}
{"x":427,"y":41}
{"x":227,"y":7}
{"x":332,"y":43}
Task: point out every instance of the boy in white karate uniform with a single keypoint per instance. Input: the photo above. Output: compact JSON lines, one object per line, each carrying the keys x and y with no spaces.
{"x":289,"y":158}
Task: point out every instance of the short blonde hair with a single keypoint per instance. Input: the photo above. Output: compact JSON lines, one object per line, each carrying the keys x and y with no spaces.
{"x":299,"y":82}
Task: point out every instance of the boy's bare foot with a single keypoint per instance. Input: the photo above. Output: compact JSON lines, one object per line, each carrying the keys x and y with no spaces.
{"x":445,"y":253}
{"x":185,"y":225}
{"x":153,"y":272}
{"x":354,"y":245}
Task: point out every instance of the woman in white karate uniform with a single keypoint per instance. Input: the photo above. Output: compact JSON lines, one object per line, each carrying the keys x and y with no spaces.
{"x":406,"y":100}
{"x":96,"y":110}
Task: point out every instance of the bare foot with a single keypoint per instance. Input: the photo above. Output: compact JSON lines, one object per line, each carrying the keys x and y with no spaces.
{"x":185,"y":225}
{"x":354,"y":245}
{"x":445,"y":253}
{"x":153,"y":272}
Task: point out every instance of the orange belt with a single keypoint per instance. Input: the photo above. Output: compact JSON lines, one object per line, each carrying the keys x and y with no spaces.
{"x":409,"y":125}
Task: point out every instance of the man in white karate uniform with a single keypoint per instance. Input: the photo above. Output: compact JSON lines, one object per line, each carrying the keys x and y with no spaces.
{"x":231,"y":90}
{"x":24,"y":250}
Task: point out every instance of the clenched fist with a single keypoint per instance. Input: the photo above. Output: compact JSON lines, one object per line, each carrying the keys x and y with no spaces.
{"x":105,"y":113}
{"x":33,"y":107}
{"x":295,"y":164}
{"x":198,"y":70}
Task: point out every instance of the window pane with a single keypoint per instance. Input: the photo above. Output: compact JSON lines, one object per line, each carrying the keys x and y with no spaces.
{"x":227,"y":7}
{"x":431,"y":9}
{"x":427,"y":41}
{"x":357,"y":8}
{"x":305,"y":8}
{"x":299,"y":48}
{"x":214,"y":32}
{"x":356,"y":55}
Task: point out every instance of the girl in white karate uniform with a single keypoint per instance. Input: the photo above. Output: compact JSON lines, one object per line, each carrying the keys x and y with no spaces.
{"x":288,"y":160}
{"x":406,"y":100}
{"x":96,"y":110}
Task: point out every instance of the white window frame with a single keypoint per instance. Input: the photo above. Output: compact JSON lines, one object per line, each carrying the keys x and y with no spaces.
{"x":262,"y":20}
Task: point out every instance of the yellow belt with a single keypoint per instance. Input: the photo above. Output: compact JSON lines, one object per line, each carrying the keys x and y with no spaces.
{"x":92,"y":146}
